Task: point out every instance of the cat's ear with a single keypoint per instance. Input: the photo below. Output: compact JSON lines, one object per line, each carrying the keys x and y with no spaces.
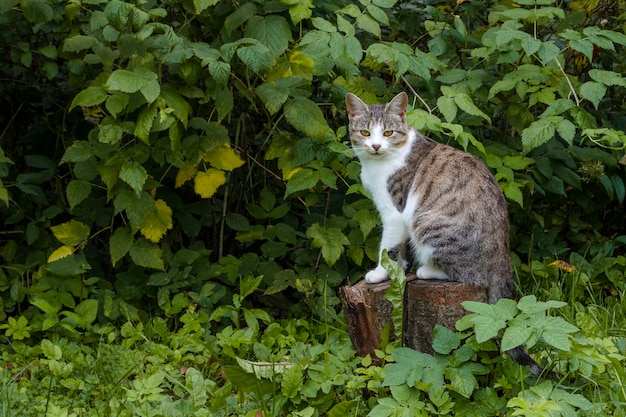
{"x":355,"y":105}
{"x":398,"y":104}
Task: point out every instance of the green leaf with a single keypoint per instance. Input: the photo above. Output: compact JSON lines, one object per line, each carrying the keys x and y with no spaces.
{"x":607,"y":77}
{"x":583,"y":46}
{"x":538,"y":133}
{"x":146,"y":254}
{"x":292,"y":382}
{"x":257,"y":56}
{"x":462,"y":381}
{"x":73,"y":265}
{"x":77,"y":191}
{"x":145,"y":120}
{"x":306,"y":116}
{"x":330,"y":239}
{"x":566,"y":130}
{"x":111,"y":134}
{"x":89,"y":97}
{"x":71,"y":233}
{"x":180,"y":107}
{"x":202,"y":5}
{"x":515,"y":335}
{"x":272,"y":31}
{"x":133,"y":174}
{"x":444,"y":340}
{"x":395,"y":292}
{"x":124,"y":81}
{"x":368,"y":24}
{"x":248,"y":285}
{"x":447,"y":107}
{"x":87,"y":312}
{"x":120,"y":243}
{"x":593,"y":91}
{"x":117,"y":103}
{"x":303,"y":179}
{"x":239,"y":16}
{"x":79,"y":43}
{"x":78,"y":151}
{"x":466,"y":104}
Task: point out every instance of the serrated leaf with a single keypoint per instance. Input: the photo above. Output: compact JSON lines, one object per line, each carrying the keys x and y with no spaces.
{"x":110,"y":134}
{"x":462,"y":381}
{"x":180,"y":107}
{"x":133,"y":174}
{"x":272,"y":31}
{"x":89,"y":97}
{"x":144,"y":123}
{"x":116,"y":103}
{"x":566,"y":130}
{"x":146,"y":254}
{"x":77,"y":191}
{"x":79,"y":150}
{"x":302,"y":179}
{"x":124,"y":81}
{"x":445,"y":340}
{"x":607,"y":77}
{"x":292,"y":382}
{"x":514,"y":336}
{"x":185,"y":174}
{"x":306,"y":116}
{"x":593,"y":91}
{"x":583,"y":46}
{"x":60,"y":253}
{"x":71,"y":233}
{"x":207,"y":182}
{"x":202,"y":5}
{"x":447,"y":107}
{"x":538,"y":133}
{"x":330,"y":239}
{"x":368,"y":24}
{"x":79,"y":43}
{"x":223,"y":157}
{"x":157,"y":222}
{"x":258,"y":57}
{"x":466,"y":104}
{"x":120,"y":243}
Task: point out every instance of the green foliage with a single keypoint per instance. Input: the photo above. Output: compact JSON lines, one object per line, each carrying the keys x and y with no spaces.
{"x":187,"y":162}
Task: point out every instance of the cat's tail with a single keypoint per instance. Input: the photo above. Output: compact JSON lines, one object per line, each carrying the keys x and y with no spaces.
{"x":521,"y":356}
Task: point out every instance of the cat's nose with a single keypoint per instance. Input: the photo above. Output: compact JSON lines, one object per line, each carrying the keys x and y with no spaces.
{"x":376,"y":147}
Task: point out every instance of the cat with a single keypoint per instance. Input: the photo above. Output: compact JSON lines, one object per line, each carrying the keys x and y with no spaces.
{"x":439,"y":206}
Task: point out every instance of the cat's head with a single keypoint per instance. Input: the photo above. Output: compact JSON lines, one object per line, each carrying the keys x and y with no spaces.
{"x":377,"y":130}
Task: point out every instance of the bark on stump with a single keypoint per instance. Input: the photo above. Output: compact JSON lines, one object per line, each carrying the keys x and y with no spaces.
{"x":426,"y":304}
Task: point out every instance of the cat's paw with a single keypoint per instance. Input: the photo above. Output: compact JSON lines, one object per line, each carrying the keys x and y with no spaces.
{"x":428,"y":272}
{"x":376,"y":275}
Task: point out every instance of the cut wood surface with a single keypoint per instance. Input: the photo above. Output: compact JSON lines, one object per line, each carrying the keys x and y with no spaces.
{"x":426,"y":304}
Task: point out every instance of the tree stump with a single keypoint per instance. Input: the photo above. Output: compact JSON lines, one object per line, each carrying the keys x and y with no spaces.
{"x":426,"y":304}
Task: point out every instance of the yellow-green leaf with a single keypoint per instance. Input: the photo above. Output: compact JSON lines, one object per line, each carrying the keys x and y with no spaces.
{"x":185,"y":174}
{"x":157,"y":222}
{"x":71,"y":233}
{"x":207,"y":183}
{"x":60,"y":253}
{"x":224,"y":157}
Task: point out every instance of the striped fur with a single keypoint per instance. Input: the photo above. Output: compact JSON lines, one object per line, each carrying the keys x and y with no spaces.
{"x":444,"y":203}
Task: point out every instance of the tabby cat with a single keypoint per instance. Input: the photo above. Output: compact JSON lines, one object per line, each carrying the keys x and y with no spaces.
{"x":439,"y":206}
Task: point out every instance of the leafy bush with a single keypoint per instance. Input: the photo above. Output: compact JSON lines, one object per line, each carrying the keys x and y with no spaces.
{"x":184,"y":166}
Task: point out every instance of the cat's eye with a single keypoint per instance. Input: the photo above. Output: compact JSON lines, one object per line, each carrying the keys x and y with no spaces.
{"x":388,"y":133}
{"x":365,"y":132}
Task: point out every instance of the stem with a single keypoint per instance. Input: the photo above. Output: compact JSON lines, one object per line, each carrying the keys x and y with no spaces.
{"x":417,"y":95}
{"x":571,"y":87}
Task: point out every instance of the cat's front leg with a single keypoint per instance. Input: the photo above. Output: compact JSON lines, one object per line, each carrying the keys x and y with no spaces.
{"x":395,"y":235}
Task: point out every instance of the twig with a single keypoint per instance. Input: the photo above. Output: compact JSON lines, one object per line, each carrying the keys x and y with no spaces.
{"x":571,"y":87}
{"x":417,"y":95}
